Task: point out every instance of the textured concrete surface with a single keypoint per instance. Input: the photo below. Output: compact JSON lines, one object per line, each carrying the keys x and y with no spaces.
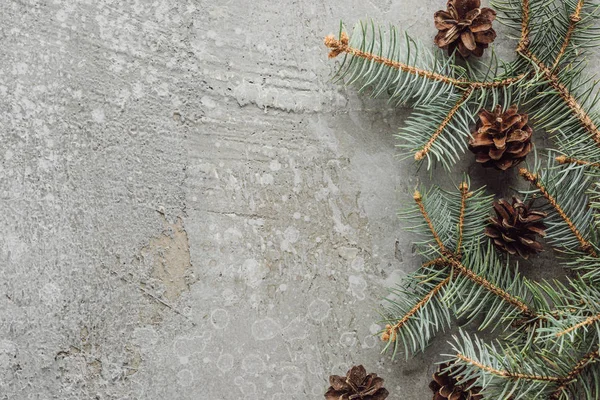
{"x":190,"y":209}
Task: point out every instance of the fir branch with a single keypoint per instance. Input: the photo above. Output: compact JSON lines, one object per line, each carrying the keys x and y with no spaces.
{"x":391,"y":332}
{"x":534,"y":179}
{"x":464,"y":195}
{"x":574,"y":19}
{"x":341,"y":46}
{"x":419,"y":200}
{"x":490,"y":287}
{"x":421,"y":154}
{"x":586,"y":322}
{"x":576,"y":371}
{"x":571,"y":160}
{"x":566,"y":95}
{"x":525,"y":29}
{"x":415,"y":310}
{"x":505,"y":373}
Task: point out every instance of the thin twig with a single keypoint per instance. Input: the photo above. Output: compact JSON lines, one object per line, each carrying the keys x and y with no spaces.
{"x":465,"y":194}
{"x":341,"y":46}
{"x":586,"y":322}
{"x":419,"y":200}
{"x":566,"y":96}
{"x":570,"y":160}
{"x":524,"y":40}
{"x":534,"y":179}
{"x":574,"y":20}
{"x":579,"y":367}
{"x":419,"y":155}
{"x":504,"y":295}
{"x":392,"y":331}
{"x":507,"y":374}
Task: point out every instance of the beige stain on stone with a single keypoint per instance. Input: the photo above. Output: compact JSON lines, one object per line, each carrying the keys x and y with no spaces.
{"x":170,"y":255}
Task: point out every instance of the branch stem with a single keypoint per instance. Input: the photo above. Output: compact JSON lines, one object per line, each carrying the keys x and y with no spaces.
{"x":507,"y":374}
{"x":342,"y":46}
{"x":504,"y":295}
{"x":586,"y":322}
{"x":419,"y":200}
{"x":574,"y":20}
{"x":391,"y":332}
{"x":570,"y":160}
{"x":534,"y":179}
{"x":419,"y":155}
{"x":465,"y":194}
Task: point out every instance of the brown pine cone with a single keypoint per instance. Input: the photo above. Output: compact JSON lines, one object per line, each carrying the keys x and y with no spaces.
{"x":516,"y":227}
{"x":446,"y":387}
{"x":356,"y":385}
{"x":465,"y":26}
{"x":501,"y":140}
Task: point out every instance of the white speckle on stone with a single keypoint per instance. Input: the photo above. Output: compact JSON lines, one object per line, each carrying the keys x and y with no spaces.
{"x":219,"y":318}
{"x":291,"y":234}
{"x":185,"y":378}
{"x":253,"y":364}
{"x":357,"y":286}
{"x":265,"y":329}
{"x":266,"y":179}
{"x":98,"y":115}
{"x":358,"y":264}
{"x":225,"y":362}
{"x":348,"y":253}
{"x":318,"y":310}
{"x":348,"y":339}
{"x":208,"y":102}
{"x":274,"y":165}
{"x":253,"y":272}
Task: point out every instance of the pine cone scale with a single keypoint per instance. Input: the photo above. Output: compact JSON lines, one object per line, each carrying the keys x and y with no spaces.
{"x":447,"y":385}
{"x":356,"y":385}
{"x":465,"y":26}
{"x":516,"y":227}
{"x":501,"y":140}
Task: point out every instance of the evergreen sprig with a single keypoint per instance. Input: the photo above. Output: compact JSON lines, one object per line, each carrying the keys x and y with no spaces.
{"x":548,"y":332}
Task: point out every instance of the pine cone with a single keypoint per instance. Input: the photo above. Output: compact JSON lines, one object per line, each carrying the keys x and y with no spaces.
{"x":515,"y":227}
{"x":501,"y":140}
{"x":446,"y":387}
{"x":356,"y":385}
{"x":465,"y":25}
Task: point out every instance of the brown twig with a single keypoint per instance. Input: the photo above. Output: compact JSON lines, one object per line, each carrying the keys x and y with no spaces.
{"x":564,"y":93}
{"x":391,"y":332}
{"x":570,"y":160}
{"x":419,"y":155}
{"x":342,"y":46}
{"x":465,"y":194}
{"x":419,"y":200}
{"x":504,"y":295}
{"x":579,"y":367}
{"x":534,"y":179}
{"x":586,"y":322}
{"x":574,"y":20}
{"x":507,"y":374}
{"x":524,"y":40}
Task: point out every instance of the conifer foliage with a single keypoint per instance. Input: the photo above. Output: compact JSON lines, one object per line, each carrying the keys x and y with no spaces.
{"x":548,"y":332}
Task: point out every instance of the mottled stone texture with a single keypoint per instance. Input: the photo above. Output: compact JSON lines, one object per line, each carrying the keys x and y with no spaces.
{"x":190,"y":208}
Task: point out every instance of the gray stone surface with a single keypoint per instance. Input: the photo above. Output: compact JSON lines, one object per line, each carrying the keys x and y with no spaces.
{"x":190,"y":208}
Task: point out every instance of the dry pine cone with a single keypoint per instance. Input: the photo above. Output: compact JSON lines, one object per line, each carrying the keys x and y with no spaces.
{"x":356,"y":385}
{"x":515,"y":227}
{"x":465,"y":26}
{"x":501,"y":140}
{"x":446,"y":387}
